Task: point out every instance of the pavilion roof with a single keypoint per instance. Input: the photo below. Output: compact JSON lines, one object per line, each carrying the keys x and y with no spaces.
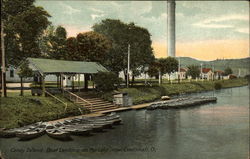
{"x":51,"y":66}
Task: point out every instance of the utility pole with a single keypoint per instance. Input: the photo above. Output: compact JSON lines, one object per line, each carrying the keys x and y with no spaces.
{"x":213,"y":72}
{"x":128,"y":65}
{"x":4,"y":93}
{"x":201,"y":72}
{"x":160,"y":77}
{"x":179,"y":70}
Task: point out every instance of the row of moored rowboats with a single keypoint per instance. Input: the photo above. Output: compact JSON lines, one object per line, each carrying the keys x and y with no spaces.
{"x":63,"y":130}
{"x":182,"y":102}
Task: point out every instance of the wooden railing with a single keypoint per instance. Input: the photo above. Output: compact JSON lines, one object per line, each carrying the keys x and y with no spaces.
{"x":76,"y":99}
{"x":57,"y":99}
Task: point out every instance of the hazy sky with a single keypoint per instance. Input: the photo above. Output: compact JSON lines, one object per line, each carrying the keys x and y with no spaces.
{"x":204,"y":29}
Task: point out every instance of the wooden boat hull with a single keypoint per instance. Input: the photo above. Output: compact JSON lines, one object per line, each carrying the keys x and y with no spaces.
{"x":59,"y":135}
{"x":30,"y":134}
{"x":76,"y":130}
{"x":7,"y":133}
{"x":93,"y":127}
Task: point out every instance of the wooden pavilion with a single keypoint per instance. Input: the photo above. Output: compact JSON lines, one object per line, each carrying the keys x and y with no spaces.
{"x":43,"y":67}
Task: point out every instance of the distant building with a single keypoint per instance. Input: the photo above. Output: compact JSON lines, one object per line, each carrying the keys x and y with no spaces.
{"x":218,"y":74}
{"x":183,"y":73}
{"x":12,"y":76}
{"x":207,"y":73}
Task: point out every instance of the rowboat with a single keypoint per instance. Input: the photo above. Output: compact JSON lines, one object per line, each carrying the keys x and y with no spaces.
{"x":7,"y":133}
{"x":76,"y":130}
{"x":30,"y":134}
{"x":93,"y":127}
{"x":104,"y":124}
{"x":58,"y":134}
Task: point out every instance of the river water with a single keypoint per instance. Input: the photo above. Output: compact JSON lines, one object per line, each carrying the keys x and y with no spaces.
{"x":212,"y":131}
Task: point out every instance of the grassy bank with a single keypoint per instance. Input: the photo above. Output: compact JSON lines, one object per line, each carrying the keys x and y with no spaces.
{"x":16,"y":111}
{"x":143,"y":94}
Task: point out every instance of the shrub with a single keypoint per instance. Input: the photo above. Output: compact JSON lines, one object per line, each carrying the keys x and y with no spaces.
{"x":228,"y":71}
{"x":232,"y":77}
{"x":106,"y":81}
{"x":217,"y":85}
{"x":193,"y":71}
{"x":248,"y":78}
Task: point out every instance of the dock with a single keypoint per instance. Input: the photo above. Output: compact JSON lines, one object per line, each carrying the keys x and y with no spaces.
{"x":72,"y":117}
{"x":182,"y":103}
{"x":133,"y":107}
{"x":102,"y":113}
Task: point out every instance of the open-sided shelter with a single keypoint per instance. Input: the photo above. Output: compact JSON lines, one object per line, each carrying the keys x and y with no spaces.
{"x":42,"y":67}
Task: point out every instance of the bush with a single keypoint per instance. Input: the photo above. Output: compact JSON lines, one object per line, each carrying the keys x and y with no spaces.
{"x":106,"y":81}
{"x":193,"y":71}
{"x":217,"y":85}
{"x":248,"y":78}
{"x":232,"y":77}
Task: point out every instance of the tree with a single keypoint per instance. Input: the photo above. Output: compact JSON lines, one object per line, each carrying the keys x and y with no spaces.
{"x":168,"y":65}
{"x":22,"y":34}
{"x":20,"y":30}
{"x":53,"y":43}
{"x":24,"y":72}
{"x":193,"y":71}
{"x":72,"y":49}
{"x":106,"y":81}
{"x":154,"y":68}
{"x":121,"y":35}
{"x":228,"y":71}
{"x":92,"y":46}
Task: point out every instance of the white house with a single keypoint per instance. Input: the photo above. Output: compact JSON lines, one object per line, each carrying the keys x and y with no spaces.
{"x":207,"y":73}
{"x":12,"y":76}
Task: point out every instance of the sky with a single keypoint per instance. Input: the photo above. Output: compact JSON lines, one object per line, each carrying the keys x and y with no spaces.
{"x":205,"y":30}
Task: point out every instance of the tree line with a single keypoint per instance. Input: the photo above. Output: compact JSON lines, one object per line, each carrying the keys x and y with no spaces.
{"x":27,"y":32}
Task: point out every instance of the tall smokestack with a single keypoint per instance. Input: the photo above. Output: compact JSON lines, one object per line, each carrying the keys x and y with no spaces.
{"x":171,"y":27}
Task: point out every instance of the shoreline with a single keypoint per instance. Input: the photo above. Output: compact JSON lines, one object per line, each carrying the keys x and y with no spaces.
{"x":46,"y":114}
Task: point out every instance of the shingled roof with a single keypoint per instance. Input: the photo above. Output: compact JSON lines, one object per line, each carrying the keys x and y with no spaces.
{"x":49,"y":66}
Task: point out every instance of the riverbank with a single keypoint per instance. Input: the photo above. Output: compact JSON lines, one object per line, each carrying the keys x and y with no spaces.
{"x":142,"y":94}
{"x":17,"y":111}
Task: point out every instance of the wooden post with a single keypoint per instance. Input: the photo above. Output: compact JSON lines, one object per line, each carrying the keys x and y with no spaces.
{"x":73,"y":84}
{"x":86,"y":81}
{"x":57,"y":81}
{"x":21,"y":93}
{"x":4,"y":92}
{"x":92,"y":78}
{"x":43,"y":85}
{"x":79,"y":83}
{"x":40,"y":81}
{"x":61,"y":81}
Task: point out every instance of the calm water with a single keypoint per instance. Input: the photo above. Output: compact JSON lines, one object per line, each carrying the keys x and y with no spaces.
{"x":213,"y":131}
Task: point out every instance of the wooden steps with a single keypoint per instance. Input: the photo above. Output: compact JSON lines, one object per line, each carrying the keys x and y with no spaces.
{"x":98,"y":104}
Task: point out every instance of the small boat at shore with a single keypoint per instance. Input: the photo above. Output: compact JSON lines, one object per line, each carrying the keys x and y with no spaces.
{"x":31,"y":134}
{"x":115,"y":120}
{"x":76,"y":130}
{"x":7,"y":133}
{"x":62,"y":130}
{"x":104,"y":124}
{"x":93,"y":127}
{"x":58,"y":134}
